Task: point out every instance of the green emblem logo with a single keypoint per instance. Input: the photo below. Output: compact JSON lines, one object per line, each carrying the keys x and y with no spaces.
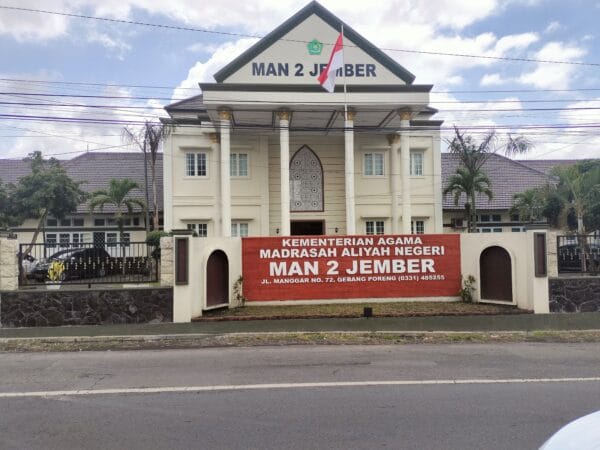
{"x":314,"y":47}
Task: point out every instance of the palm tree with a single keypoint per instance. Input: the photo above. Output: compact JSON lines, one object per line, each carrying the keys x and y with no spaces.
{"x":118,"y":195}
{"x":470,"y":184}
{"x":528,"y":204}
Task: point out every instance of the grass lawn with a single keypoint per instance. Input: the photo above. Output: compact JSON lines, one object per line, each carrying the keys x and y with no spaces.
{"x":396,"y":309}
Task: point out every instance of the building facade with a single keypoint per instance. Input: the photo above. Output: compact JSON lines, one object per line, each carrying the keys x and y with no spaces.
{"x":266,"y":151}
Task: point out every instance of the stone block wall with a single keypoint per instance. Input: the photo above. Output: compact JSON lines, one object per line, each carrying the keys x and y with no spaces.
{"x":9,"y":264}
{"x":167,"y":261}
{"x":85,"y":307}
{"x":574,"y":294}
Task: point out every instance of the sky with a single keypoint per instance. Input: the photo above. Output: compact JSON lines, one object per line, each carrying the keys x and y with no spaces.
{"x":69,"y":84}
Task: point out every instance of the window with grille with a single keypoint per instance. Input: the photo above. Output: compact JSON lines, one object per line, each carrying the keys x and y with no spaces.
{"x":373,"y":164}
{"x":195,"y":164}
{"x":375,"y":227}
{"x":238,"y":165}
{"x":416,"y":163}
{"x":201,"y":229}
{"x":417,"y":227}
{"x":239,"y":229}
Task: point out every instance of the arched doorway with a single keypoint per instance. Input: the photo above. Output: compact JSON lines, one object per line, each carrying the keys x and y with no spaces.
{"x":495,"y":270}
{"x":217,"y":279}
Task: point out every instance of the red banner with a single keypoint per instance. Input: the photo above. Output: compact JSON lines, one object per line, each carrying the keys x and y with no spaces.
{"x":341,"y":267}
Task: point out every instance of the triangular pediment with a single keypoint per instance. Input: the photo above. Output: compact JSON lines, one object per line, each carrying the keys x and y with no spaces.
{"x":297,"y":50}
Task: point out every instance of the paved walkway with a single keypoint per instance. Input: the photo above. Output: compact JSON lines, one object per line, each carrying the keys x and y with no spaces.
{"x":524,"y":322}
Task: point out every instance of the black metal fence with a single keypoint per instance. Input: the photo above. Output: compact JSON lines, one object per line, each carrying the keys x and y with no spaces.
{"x":578,"y":254}
{"x":115,"y":262}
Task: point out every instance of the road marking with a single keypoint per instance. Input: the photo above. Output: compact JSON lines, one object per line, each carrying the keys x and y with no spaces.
{"x":333,"y":384}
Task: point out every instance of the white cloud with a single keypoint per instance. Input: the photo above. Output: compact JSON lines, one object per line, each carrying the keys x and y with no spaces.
{"x":112,"y":43}
{"x":553,"y":76}
{"x":204,"y":71}
{"x":552,"y":27}
{"x":28,"y":26}
{"x":492,"y":79}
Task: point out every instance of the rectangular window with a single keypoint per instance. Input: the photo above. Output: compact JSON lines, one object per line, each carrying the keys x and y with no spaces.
{"x":195,"y":164}
{"x":417,"y":227}
{"x":516,"y":230}
{"x":51,"y":222}
{"x":238,"y":165}
{"x":486,"y":230}
{"x":136,"y":221}
{"x":485,"y":218}
{"x":514,"y":217}
{"x":64,"y":239}
{"x":99,"y":222}
{"x":416,"y":163}
{"x":201,"y":229}
{"x":239,"y":229}
{"x":111,"y":239}
{"x":373,"y":164}
{"x":126,"y":240}
{"x":65,"y":222}
{"x":77,"y":222}
{"x":50,"y":240}
{"x":77,"y":239}
{"x":127,"y":222}
{"x":496,"y":218}
{"x":375,"y":227}
{"x":497,"y":230}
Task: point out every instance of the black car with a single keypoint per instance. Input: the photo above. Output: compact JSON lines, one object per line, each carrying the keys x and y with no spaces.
{"x":73,"y":263}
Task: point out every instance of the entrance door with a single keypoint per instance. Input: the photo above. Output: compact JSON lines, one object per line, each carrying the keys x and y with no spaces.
{"x":307,"y":227}
{"x":496,"y":274}
{"x":217,"y":279}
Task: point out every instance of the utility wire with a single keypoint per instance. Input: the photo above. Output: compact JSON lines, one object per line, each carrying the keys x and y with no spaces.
{"x":225,"y":33}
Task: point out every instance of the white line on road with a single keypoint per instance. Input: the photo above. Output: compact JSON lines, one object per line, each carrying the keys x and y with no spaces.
{"x":334,"y":384}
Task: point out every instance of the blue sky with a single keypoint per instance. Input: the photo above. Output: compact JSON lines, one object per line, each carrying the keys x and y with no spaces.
{"x":45,"y":53}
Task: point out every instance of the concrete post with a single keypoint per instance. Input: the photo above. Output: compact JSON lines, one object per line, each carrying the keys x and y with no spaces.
{"x":349,"y":170}
{"x":9,"y":265}
{"x":225,"y":117}
{"x":405,"y":149}
{"x":394,"y":140}
{"x":284,"y":139}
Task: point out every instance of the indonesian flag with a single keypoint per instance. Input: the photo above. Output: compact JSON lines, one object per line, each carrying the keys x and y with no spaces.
{"x":336,"y":61}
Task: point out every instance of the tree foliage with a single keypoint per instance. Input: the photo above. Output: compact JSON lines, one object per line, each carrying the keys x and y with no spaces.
{"x":529,"y":204}
{"x":148,"y":139}
{"x":46,"y":190}
{"x":470,"y":177}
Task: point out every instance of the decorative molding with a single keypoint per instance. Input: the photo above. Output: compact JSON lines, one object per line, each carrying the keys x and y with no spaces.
{"x":393,"y":138}
{"x":215,"y":138}
{"x":283,"y":114}
{"x":404,"y":115}
{"x":225,"y":114}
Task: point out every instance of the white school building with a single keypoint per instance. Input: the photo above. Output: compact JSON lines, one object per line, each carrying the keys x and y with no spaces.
{"x":266,"y":151}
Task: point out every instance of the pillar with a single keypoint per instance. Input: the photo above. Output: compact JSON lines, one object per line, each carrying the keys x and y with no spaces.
{"x":394,"y":140}
{"x":405,"y":170}
{"x":284,"y":142}
{"x":349,"y":172}
{"x":225,"y":117}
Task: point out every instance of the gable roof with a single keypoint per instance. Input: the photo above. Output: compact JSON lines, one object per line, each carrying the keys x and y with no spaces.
{"x":329,"y":18}
{"x":96,"y":169}
{"x":507,"y":176}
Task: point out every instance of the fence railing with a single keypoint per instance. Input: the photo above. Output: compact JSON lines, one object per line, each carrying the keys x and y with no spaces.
{"x":578,"y":254}
{"x":114,"y":262}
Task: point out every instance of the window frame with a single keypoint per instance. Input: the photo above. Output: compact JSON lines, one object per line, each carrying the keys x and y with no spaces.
{"x":413,"y":154}
{"x":236,"y":228}
{"x":417,"y":226}
{"x":234,"y":168}
{"x":371,"y":156}
{"x":377,"y":227}
{"x":196,"y":164}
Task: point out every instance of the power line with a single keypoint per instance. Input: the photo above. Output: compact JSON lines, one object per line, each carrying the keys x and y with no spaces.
{"x":225,"y":33}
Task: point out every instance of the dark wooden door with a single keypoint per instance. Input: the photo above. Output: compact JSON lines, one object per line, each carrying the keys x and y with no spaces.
{"x":496,"y":274}
{"x":217,"y":279}
{"x":307,"y":227}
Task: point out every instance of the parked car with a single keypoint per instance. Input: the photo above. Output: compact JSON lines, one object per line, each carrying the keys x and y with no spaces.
{"x":581,"y":434}
{"x":28,"y":263}
{"x":74,"y":263}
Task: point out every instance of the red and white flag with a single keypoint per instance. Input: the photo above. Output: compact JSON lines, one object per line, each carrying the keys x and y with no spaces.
{"x":336,"y":61}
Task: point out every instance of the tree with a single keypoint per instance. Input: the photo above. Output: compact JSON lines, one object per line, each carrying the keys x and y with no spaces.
{"x":470,"y":184}
{"x":472,"y":157}
{"x":118,"y":195}
{"x":149,"y":139}
{"x":528,"y":204}
{"x":7,"y":216}
{"x":47,"y":190}
{"x":578,"y":189}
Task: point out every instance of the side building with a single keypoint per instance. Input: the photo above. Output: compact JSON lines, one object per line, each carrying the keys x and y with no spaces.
{"x":94,"y":170}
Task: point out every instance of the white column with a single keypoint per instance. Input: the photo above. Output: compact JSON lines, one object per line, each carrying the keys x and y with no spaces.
{"x":405,"y":149}
{"x":437,"y":184}
{"x":225,"y":117}
{"x":349,"y":171}
{"x":284,"y":139}
{"x":394,"y":140}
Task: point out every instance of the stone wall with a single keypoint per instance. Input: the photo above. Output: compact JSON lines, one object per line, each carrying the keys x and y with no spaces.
{"x":167,"y":261}
{"x":85,"y":307}
{"x":9,"y":266}
{"x":574,"y":294}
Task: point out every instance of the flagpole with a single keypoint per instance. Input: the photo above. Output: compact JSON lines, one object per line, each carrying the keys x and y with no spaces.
{"x":344,"y":75}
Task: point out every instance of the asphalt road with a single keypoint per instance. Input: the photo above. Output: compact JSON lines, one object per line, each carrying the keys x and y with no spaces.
{"x":467,"y":396}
